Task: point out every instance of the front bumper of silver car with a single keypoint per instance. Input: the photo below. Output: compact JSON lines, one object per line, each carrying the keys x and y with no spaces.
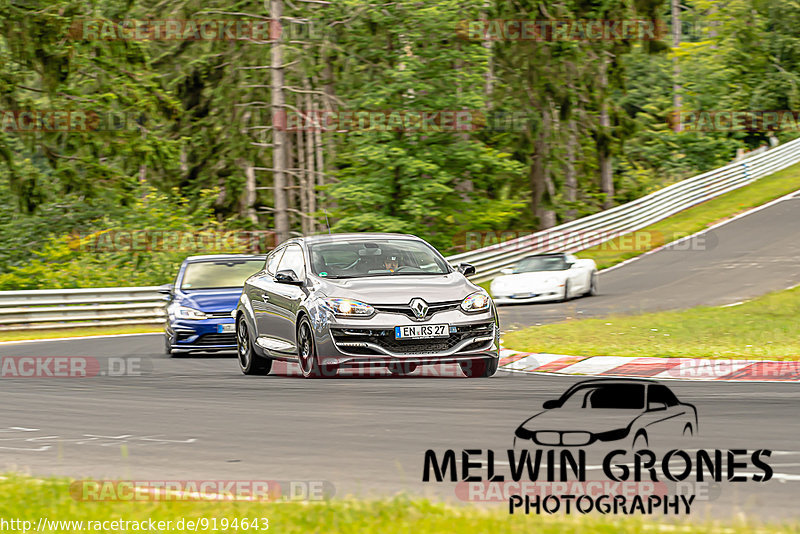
{"x":372,"y":341}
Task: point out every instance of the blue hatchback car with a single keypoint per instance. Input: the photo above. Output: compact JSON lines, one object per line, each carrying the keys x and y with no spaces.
{"x":206,"y":291}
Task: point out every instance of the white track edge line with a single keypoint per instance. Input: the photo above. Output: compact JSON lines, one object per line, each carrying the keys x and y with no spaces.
{"x":77,"y":337}
{"x":701,"y":232}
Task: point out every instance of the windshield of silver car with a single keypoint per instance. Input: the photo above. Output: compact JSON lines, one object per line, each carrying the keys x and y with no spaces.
{"x":362,"y":258}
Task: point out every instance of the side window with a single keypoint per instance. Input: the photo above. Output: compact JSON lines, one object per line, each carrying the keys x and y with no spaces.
{"x":272,"y":261}
{"x":293,"y":259}
{"x":662,"y":394}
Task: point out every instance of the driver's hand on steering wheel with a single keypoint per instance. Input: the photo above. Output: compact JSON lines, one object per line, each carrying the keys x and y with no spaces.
{"x":391,"y":263}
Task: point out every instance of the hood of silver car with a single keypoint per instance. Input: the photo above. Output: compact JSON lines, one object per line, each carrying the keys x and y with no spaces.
{"x":401,"y":288}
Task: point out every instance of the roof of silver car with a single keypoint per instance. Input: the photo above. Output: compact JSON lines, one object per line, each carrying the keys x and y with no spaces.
{"x":321,"y":238}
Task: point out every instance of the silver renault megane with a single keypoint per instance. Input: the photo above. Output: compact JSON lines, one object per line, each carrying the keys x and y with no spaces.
{"x":364,"y":300}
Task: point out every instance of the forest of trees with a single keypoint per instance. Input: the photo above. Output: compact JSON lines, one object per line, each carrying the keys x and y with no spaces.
{"x":187,"y":132}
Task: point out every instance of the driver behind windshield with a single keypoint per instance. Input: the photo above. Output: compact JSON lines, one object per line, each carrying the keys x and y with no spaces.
{"x":391,"y":263}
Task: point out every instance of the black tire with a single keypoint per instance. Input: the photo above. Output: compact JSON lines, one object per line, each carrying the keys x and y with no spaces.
{"x":592,"y":285}
{"x":483,"y":368}
{"x":402,"y":368}
{"x":250,"y":362}
{"x":565,"y":298}
{"x":167,"y":346}
{"x":307,"y":353}
{"x":637,"y":440}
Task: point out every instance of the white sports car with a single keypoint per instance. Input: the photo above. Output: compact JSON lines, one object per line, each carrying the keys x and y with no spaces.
{"x":545,"y":277}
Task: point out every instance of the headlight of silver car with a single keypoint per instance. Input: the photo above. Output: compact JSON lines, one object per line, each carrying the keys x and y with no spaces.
{"x":348,"y":308}
{"x":476,"y":302}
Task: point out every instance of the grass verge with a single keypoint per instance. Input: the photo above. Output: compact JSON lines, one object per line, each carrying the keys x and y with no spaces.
{"x":30,"y":499}
{"x":695,"y":219}
{"x":22,"y":335}
{"x":765,"y":327}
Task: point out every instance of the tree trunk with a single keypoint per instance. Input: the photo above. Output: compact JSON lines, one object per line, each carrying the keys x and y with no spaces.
{"x":676,"y":69}
{"x":604,"y":139}
{"x":570,"y":176}
{"x":487,"y":44}
{"x":311,"y":176}
{"x":302,"y":174}
{"x":546,"y":214}
{"x":328,"y":104}
{"x":279,"y":137}
{"x":537,"y":175}
{"x":248,"y":200}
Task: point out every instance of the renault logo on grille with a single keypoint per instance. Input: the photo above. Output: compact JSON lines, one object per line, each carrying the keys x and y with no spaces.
{"x":419,"y":307}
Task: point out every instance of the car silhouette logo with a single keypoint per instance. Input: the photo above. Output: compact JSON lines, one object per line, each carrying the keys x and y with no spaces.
{"x":419,"y":307}
{"x":636,"y":411}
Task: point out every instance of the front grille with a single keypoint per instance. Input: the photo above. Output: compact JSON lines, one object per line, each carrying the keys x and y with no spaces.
{"x":216,"y":339}
{"x":556,"y":438}
{"x":349,"y":338}
{"x":406,"y":310}
{"x":219,"y":315}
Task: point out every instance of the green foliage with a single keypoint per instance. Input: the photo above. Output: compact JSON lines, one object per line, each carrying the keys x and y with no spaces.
{"x":762,"y":328}
{"x":26,"y":497}
{"x":104,"y":254}
{"x":191,"y":116}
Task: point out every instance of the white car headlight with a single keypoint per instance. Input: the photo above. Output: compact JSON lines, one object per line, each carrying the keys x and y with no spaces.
{"x":478,"y":301}
{"x":183,"y":312}
{"x":348,"y":307}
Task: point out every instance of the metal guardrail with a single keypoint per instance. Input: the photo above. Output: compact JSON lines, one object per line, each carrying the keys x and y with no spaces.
{"x":592,"y":230}
{"x":70,"y":308}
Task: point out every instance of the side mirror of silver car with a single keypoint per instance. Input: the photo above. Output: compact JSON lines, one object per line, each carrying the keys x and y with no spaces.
{"x":466,"y":269}
{"x":287,"y":276}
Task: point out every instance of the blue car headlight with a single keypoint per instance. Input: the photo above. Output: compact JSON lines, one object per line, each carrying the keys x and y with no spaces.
{"x":476,"y":302}
{"x":184,"y":312}
{"x":348,"y":307}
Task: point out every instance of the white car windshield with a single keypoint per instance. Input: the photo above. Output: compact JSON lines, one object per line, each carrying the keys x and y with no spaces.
{"x":541,"y":263}
{"x":363,"y":258}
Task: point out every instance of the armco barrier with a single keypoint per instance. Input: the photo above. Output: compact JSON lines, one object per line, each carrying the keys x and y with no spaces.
{"x":67,"y":308}
{"x":635,"y":215}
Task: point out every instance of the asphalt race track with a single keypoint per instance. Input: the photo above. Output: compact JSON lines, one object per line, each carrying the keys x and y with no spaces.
{"x":737,"y":261}
{"x":198,"y":417}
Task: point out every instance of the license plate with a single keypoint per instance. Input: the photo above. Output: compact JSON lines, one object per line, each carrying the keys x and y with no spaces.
{"x":226,"y":328}
{"x":421,"y":331}
{"x":523,"y":295}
